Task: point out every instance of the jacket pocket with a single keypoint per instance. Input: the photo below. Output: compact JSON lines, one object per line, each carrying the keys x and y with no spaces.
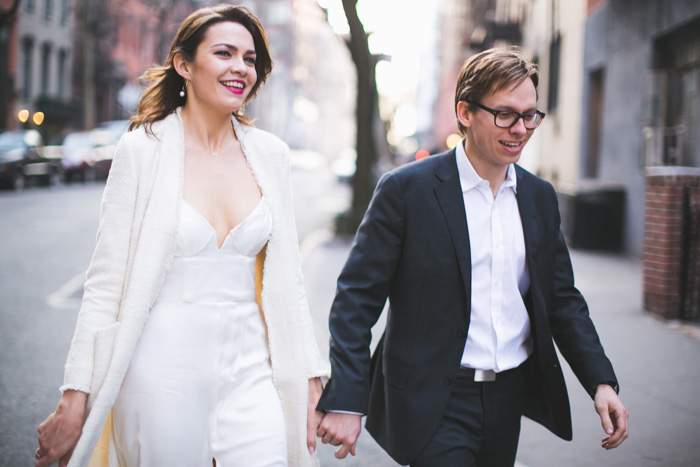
{"x":104,"y":346}
{"x":396,"y":373}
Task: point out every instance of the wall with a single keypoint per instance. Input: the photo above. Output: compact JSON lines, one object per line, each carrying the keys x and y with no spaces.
{"x":619,"y":41}
{"x":553,"y":152}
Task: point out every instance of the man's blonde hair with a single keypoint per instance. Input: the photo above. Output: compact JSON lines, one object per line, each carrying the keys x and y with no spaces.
{"x":491,"y":71}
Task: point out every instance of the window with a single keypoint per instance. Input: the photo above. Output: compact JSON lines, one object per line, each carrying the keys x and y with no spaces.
{"x":29,"y":6}
{"x":61,"y":73}
{"x":65,"y":10}
{"x":677,"y":59}
{"x":27,"y":52}
{"x":553,"y":87}
{"x":45,"y":67}
{"x":595,"y":123}
{"x":48,"y":9}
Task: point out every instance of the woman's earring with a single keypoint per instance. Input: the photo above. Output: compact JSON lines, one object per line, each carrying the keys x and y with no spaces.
{"x":184,"y":88}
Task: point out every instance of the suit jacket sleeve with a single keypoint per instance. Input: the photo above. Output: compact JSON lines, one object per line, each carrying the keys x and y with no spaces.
{"x":570,"y":322}
{"x":363,"y":287}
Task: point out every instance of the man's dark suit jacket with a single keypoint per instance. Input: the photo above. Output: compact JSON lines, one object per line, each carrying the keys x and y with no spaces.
{"x":413,"y":247}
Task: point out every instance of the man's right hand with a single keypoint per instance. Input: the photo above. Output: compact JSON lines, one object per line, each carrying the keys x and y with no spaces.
{"x":341,"y":429}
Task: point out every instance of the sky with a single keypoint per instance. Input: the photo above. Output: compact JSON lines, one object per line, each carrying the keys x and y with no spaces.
{"x":403,"y":30}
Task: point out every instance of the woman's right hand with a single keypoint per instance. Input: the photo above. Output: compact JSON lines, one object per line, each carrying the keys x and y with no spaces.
{"x":59,"y":433}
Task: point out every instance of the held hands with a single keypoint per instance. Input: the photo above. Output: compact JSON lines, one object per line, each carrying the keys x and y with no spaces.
{"x":341,"y":429}
{"x":613,"y":416}
{"x":334,"y":428}
{"x":59,"y":433}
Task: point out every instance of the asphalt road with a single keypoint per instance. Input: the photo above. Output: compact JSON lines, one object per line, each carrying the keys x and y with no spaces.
{"x":47,"y":236}
{"x":46,"y":241}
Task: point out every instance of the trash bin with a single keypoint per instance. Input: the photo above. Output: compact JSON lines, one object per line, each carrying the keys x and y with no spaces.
{"x":593,"y":215}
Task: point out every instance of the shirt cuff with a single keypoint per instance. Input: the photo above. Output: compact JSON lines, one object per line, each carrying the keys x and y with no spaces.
{"x":345,"y":411}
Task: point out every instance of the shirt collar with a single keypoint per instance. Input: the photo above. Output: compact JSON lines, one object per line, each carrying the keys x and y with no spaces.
{"x":468,"y":178}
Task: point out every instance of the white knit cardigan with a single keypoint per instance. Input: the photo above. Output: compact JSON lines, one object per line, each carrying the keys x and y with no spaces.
{"x":135,"y":247}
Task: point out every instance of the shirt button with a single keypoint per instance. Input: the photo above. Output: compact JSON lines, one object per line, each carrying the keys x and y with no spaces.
{"x":448,"y":380}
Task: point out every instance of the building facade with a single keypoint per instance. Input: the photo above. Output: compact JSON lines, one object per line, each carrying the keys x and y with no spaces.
{"x":620,"y":84}
{"x":79,"y":64}
{"x":458,"y":26}
{"x":308,"y":101}
{"x":126,"y":38}
{"x":552,"y":35}
{"x":641,"y":96}
{"x":42,"y":82}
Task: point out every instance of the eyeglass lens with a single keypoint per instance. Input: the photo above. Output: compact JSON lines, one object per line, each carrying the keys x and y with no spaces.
{"x":509,"y":119}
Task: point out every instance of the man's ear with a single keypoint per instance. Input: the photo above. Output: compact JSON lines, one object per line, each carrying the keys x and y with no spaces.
{"x":464,"y":114}
{"x":181,"y":66}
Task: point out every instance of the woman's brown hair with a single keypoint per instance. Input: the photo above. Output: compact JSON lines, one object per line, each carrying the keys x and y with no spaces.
{"x":162,"y":94}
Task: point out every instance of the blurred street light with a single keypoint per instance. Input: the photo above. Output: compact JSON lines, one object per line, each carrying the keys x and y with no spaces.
{"x":23,"y":115}
{"x":453,"y":140}
{"x":422,"y":154}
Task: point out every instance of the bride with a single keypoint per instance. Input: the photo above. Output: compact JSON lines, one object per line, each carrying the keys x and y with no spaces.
{"x":194,"y":343}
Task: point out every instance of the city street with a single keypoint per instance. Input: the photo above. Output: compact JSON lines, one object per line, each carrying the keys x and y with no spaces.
{"x":355,"y":88}
{"x":48,"y":235}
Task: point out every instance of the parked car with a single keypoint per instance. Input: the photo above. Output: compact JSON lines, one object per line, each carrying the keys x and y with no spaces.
{"x":116,"y":129}
{"x":87,"y":155}
{"x":22,"y":160}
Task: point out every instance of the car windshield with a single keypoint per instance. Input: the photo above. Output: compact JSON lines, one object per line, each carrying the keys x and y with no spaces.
{"x":77,"y":140}
{"x":11,"y":140}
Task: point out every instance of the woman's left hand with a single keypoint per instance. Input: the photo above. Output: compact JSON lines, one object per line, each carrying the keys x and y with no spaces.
{"x":314,"y":417}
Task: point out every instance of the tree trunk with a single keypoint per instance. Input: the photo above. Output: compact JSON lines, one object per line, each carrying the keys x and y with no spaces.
{"x":363,"y":181}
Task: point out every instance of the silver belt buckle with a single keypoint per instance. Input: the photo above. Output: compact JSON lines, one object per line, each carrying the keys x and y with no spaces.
{"x":481,"y":376}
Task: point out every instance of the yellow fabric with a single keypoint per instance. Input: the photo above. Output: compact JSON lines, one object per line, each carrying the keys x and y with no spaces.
{"x":100,"y":455}
{"x":259,"y":263}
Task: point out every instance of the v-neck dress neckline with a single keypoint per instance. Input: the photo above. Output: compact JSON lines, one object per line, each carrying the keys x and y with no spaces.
{"x":196,"y":232}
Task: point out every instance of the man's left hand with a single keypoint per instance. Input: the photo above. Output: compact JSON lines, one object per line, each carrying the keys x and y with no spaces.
{"x":613,"y":416}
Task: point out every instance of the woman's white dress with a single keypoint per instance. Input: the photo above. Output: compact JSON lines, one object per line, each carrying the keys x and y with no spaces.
{"x":199,"y":385}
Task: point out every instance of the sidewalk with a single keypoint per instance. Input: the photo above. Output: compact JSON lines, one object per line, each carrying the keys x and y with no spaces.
{"x":657,"y":364}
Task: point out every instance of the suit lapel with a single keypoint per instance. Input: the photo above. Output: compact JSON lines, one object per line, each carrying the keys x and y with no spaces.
{"x":528,"y":215}
{"x":449,"y":195}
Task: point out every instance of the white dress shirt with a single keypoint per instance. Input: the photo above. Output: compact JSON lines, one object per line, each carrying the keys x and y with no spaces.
{"x":499,"y":330}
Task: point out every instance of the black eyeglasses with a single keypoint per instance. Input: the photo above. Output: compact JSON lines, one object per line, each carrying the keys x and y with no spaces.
{"x":508,"y":118}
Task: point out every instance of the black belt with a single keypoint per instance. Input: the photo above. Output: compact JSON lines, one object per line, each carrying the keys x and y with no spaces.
{"x":484,"y":376}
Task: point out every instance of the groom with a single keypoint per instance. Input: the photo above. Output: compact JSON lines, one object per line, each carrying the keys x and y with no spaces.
{"x":467,"y":248}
